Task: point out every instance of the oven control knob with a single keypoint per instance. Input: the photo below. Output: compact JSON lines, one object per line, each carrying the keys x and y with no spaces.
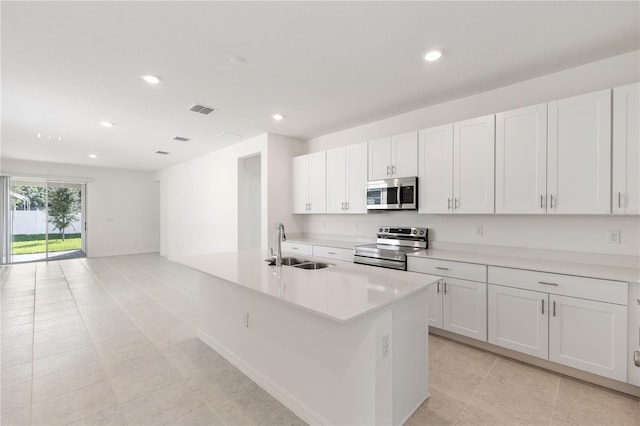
{"x":386,"y":229}
{"x":414,"y":232}
{"x":380,"y":230}
{"x":421,"y":232}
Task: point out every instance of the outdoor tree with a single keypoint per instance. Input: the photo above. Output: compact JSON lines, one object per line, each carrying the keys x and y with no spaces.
{"x":63,"y":207}
{"x":35,"y":194}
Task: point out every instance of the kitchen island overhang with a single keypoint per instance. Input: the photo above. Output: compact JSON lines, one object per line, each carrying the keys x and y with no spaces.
{"x":341,"y":345}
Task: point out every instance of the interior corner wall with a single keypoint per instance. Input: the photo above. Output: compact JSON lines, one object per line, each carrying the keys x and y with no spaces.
{"x":280,"y":151}
{"x":122,"y":206}
{"x":555,"y":232}
{"x":200,"y":200}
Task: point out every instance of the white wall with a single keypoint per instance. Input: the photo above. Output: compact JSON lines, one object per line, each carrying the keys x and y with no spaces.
{"x":250,"y":202}
{"x":122,"y":205}
{"x":200,"y":196}
{"x":567,"y":233}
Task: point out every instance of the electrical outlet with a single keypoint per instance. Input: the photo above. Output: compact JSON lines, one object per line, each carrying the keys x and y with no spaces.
{"x":614,"y":237}
{"x":385,"y":346}
{"x":479,"y":230}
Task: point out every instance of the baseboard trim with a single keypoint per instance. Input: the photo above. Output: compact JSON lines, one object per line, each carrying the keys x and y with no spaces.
{"x":300,"y":409}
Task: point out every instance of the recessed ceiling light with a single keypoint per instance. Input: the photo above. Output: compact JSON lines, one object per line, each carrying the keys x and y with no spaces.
{"x":238,"y":60}
{"x":39,"y":135}
{"x":434,"y":55}
{"x":93,"y":156}
{"x":106,"y":124}
{"x":151,"y":79}
{"x":59,"y":138}
{"x":278,"y":117}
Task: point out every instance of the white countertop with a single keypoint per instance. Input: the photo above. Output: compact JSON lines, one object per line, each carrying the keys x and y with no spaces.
{"x":341,"y":293}
{"x":347,"y":244}
{"x":560,"y":267}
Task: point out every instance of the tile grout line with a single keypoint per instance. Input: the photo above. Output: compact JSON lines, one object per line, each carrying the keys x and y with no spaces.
{"x":555,"y":401}
{"x":477,"y":389}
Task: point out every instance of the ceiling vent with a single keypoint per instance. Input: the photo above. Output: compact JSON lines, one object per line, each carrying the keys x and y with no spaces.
{"x":181,"y":139}
{"x":202,"y":109}
{"x":162,"y":152}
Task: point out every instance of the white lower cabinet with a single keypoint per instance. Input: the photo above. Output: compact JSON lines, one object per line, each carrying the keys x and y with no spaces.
{"x":455,"y":304}
{"x":518,"y":320}
{"x":589,"y":335}
{"x":464,"y":308}
{"x":559,"y":324}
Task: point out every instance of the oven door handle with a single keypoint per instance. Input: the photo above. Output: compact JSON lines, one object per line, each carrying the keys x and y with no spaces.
{"x":399,"y":196}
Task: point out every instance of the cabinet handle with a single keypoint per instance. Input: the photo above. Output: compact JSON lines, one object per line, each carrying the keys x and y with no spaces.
{"x":541,"y":201}
{"x":294,"y":248}
{"x":448,"y":203}
{"x":388,"y":170}
{"x":393,"y":169}
{"x":438,"y":288}
{"x":542,"y":306}
{"x":441,"y":268}
{"x":331,"y":252}
{"x":456,"y":203}
{"x":619,"y":201}
{"x":551,"y":200}
{"x":547,"y":283}
{"x":445,"y":287}
{"x":346,"y":204}
{"x":309,"y":206}
{"x":554,"y":308}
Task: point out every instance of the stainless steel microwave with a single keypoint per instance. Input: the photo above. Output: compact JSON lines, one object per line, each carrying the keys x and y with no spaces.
{"x":393,"y":194}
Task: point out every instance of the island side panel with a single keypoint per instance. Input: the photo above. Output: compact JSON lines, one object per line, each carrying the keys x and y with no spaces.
{"x":325,"y":371}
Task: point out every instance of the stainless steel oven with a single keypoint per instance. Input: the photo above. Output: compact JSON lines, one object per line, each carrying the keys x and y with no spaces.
{"x":392,"y":246}
{"x":393,"y":194}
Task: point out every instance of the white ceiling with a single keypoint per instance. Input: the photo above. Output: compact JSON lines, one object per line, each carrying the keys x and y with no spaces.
{"x":325,"y":65}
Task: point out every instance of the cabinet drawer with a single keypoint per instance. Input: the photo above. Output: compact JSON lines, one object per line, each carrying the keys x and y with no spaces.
{"x":333,"y":253}
{"x":291,"y":247}
{"x":448,"y":268}
{"x":565,"y":285}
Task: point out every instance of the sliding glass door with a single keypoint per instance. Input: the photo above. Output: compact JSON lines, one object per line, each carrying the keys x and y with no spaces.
{"x":46,"y":220}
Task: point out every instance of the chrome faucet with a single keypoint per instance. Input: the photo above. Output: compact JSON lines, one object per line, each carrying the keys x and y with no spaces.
{"x":281,"y":237}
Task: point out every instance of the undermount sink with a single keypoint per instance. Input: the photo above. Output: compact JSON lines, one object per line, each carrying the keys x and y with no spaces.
{"x":300,"y":263}
{"x":312,"y":265}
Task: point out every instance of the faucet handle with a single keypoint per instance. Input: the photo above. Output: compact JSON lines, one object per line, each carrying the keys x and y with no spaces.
{"x":271,"y":251}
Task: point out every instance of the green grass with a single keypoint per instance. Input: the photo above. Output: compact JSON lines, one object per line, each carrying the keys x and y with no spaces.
{"x":31,"y":244}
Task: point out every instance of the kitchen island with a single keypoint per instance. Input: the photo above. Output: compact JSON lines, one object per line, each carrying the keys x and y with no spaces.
{"x":342,"y":345}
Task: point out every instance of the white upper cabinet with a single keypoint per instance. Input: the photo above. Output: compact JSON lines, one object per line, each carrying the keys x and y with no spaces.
{"x":395,"y":156}
{"x":309,"y":183}
{"x":521,"y":160}
{"x":473,"y":165}
{"x":435,"y":177}
{"x":626,"y":149}
{"x":579,"y":154}
{"x":457,"y":167}
{"x":347,"y":179}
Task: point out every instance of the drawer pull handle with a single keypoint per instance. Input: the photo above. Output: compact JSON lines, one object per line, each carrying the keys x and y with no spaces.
{"x":636,"y":358}
{"x":441,"y":268}
{"x":619,"y":201}
{"x":542,"y":306}
{"x":294,"y":248}
{"x":546,"y":283}
{"x":331,"y":252}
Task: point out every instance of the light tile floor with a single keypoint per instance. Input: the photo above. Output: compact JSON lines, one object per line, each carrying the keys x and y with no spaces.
{"x":112,"y":341}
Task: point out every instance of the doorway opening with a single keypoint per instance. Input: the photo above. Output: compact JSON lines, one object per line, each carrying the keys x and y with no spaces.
{"x":45,"y":220}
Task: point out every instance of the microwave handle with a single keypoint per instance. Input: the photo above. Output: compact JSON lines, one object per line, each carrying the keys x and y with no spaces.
{"x":399,"y":196}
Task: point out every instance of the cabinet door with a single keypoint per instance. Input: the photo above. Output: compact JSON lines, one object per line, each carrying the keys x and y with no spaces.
{"x":626,"y":149}
{"x":336,"y":180}
{"x":404,"y":155}
{"x":317,"y":182}
{"x":465,"y":308}
{"x":300,"y":184}
{"x":473,"y":165}
{"x":380,"y":158}
{"x":435,"y":176}
{"x":521,"y":160}
{"x":579,"y":154}
{"x":518,"y":320}
{"x":589,"y":335}
{"x":434,"y":304}
{"x":356,"y":178}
